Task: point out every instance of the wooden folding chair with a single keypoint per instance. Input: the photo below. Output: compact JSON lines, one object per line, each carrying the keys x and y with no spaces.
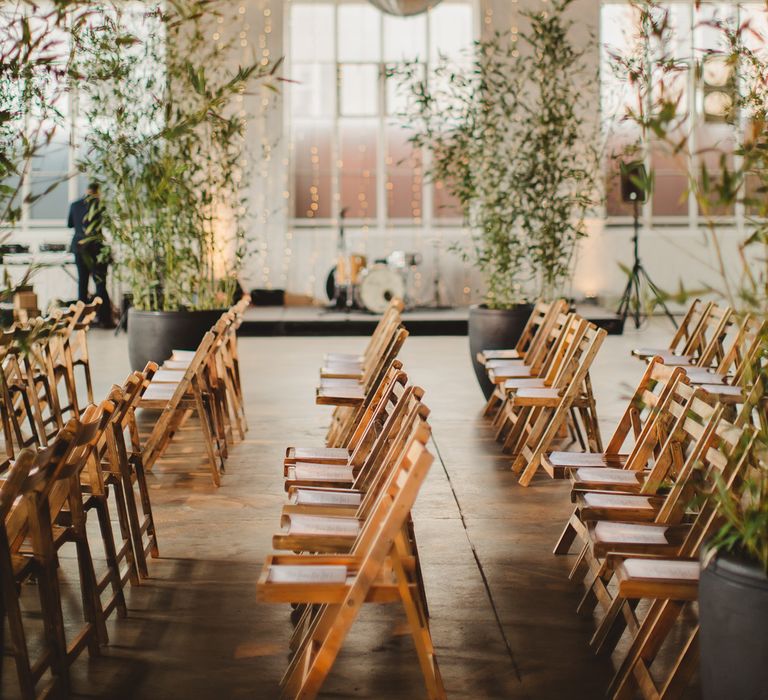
{"x":34,"y":365}
{"x":379,"y":568}
{"x":638,"y":418}
{"x":121,"y":460}
{"x":701,"y":434}
{"x":177,"y":401}
{"x":345,"y":493}
{"x":16,"y":492}
{"x":227,"y":368}
{"x":212,"y":380}
{"x":566,"y":332}
{"x":391,"y":314}
{"x":736,"y":358}
{"x":370,"y":421}
{"x":684,"y":335}
{"x":338,"y":368}
{"x":672,"y":586}
{"x":351,"y":397}
{"x":676,"y":532}
{"x":705,"y":343}
{"x":534,"y":332}
{"x":51,"y":515}
{"x":543,"y":354}
{"x":77,"y":343}
{"x":20,"y":420}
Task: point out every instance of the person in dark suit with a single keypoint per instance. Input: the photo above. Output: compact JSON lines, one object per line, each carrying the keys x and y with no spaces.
{"x":88,"y":247}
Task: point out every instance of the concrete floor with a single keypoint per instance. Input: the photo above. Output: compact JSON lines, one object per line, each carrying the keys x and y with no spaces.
{"x":503,"y":611}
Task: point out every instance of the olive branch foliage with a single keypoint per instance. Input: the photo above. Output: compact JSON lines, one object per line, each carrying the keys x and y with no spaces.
{"x":739,"y":179}
{"x":507,"y":134}
{"x":168,"y":148}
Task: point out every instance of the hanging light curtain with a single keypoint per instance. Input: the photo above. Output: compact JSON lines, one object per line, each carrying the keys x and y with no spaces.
{"x":404,"y":8}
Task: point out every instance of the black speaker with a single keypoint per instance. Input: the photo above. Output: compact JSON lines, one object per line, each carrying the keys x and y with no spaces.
{"x":633,"y":182}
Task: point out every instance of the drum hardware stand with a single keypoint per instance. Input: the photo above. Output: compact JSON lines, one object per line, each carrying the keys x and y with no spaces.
{"x":631,"y":301}
{"x":437,"y":298}
{"x":342,"y":259}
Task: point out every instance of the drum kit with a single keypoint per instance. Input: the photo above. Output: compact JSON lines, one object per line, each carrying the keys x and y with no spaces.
{"x":353,"y":284}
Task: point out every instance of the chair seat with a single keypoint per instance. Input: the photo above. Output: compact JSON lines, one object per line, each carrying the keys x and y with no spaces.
{"x":317,"y":583}
{"x":502,"y":365}
{"x":725,"y":393}
{"x":650,"y":352}
{"x":523,"y":383}
{"x":331,"y":455}
{"x":161,"y":391}
{"x":304,"y":474}
{"x":349,"y":395}
{"x":325,"y":497}
{"x":341,"y":371}
{"x":485,"y":355}
{"x":502,"y":375}
{"x":176,"y":365}
{"x":615,"y":506}
{"x":538,"y":396}
{"x":672,"y":359}
{"x":338,"y":382}
{"x":298,"y":524}
{"x":607,"y":478}
{"x":342,"y":357}
{"x":658,"y":578}
{"x":559,"y":461}
{"x":167,"y":376}
{"x":702,"y":375}
{"x":635,"y":538}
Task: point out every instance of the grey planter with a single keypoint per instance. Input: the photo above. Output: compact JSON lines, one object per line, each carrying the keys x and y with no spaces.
{"x":153,"y":335}
{"x":494,"y":329}
{"x":733,"y":613}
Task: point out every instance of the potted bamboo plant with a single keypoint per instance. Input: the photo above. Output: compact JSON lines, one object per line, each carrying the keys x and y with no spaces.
{"x":507,"y":136}
{"x":167,"y":146}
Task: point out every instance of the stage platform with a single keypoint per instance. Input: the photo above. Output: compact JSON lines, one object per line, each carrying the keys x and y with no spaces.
{"x":300,"y":320}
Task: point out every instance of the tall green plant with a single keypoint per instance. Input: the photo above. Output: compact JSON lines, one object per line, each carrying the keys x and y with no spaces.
{"x":166,"y":142}
{"x":507,"y":133}
{"x":740,"y":178}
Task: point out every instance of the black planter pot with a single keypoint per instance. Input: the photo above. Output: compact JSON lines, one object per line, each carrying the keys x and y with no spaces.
{"x":153,"y":335}
{"x":733,"y":612}
{"x":494,"y":329}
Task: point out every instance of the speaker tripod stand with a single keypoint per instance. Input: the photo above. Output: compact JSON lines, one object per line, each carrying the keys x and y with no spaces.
{"x":631,"y":300}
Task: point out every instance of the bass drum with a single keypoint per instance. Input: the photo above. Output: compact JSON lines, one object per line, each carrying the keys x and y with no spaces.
{"x":378,"y":287}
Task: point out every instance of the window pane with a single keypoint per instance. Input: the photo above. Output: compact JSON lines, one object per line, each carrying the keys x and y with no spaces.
{"x":52,"y":157}
{"x":358,"y":167}
{"x":313,"y":93}
{"x":445,"y":205}
{"x":312,"y":169}
{"x":55,"y":204}
{"x":359,"y":90}
{"x":359,"y":38}
{"x":670,"y":172}
{"x":450,"y":26}
{"x":404,"y":175}
{"x":397,"y":93}
{"x":405,"y":38}
{"x":312,"y":32}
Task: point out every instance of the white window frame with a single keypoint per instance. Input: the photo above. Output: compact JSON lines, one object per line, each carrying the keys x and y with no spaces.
{"x":381,"y":221}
